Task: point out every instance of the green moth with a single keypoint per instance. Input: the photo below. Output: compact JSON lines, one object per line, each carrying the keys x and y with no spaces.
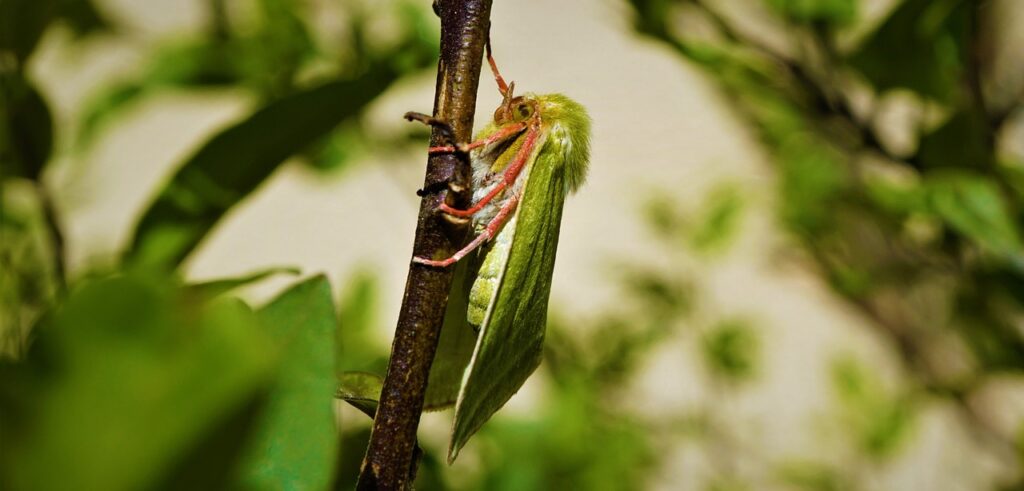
{"x":525,"y":162}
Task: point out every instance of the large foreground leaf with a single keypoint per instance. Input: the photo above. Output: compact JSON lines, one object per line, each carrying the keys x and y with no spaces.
{"x":295,"y":445}
{"x":125,"y":383}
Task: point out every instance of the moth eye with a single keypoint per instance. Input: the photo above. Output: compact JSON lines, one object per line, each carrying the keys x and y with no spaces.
{"x":524,"y":110}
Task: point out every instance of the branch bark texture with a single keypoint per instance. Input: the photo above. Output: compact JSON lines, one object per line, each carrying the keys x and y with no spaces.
{"x":390,"y":463}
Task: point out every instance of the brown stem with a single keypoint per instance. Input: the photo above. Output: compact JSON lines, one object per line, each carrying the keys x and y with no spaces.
{"x":389,"y":463}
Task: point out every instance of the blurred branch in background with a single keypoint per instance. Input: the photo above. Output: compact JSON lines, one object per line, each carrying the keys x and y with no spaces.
{"x":925,"y":239}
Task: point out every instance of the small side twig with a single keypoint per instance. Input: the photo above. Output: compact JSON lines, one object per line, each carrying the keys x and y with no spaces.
{"x":390,"y":461}
{"x":56,"y":235}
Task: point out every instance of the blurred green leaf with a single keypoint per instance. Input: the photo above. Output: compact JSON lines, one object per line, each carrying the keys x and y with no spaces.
{"x":719,"y":220}
{"x":880,"y":422}
{"x":213,"y":288}
{"x":295,"y":442}
{"x":268,"y":56}
{"x":838,"y":12}
{"x":660,"y":295}
{"x":359,"y":303}
{"x":184,"y":63}
{"x":22,"y":23}
{"x":358,"y":349}
{"x":724,"y":482}
{"x":361,"y":390}
{"x":973,"y":205}
{"x":270,"y":59}
{"x":813,"y":179}
{"x":83,"y":16}
{"x":544,"y":451}
{"x":894,"y":195}
{"x":919,"y":47}
{"x":28,"y":279}
{"x":122,"y":381}
{"x":961,"y":142}
{"x":237,"y":160}
{"x":812,"y":476}
{"x":27,"y":128}
{"x":731,"y":350}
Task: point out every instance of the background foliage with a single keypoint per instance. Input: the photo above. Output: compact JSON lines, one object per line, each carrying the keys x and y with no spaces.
{"x":131,"y":377}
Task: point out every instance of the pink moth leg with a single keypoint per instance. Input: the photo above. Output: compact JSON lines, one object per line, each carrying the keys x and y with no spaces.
{"x":492,"y":229}
{"x":503,"y":133}
{"x":502,"y":86}
{"x":510,"y":175}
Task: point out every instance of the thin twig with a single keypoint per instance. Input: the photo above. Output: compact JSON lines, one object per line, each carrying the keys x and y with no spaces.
{"x":56,"y":235}
{"x":389,"y":463}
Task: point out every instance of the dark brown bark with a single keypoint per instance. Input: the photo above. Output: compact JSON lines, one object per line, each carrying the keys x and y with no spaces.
{"x":389,"y":463}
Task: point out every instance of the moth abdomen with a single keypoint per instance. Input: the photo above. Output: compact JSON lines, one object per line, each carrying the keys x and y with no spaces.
{"x":488,"y":278}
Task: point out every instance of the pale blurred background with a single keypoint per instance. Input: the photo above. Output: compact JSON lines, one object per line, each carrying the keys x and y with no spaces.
{"x":666,"y":137}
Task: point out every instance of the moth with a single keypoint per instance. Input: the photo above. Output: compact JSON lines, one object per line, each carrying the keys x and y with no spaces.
{"x":525,"y":162}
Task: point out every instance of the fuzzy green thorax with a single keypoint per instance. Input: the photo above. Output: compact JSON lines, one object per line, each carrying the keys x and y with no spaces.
{"x":570,"y":135}
{"x":565,"y":122}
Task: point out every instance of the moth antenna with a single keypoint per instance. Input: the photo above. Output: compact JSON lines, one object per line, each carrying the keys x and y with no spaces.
{"x":502,"y":86}
{"x":507,"y":95}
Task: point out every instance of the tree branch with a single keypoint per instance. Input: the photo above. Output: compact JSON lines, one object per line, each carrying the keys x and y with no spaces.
{"x":389,"y":463}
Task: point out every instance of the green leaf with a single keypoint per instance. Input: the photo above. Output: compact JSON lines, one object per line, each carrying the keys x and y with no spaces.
{"x":812,"y":476}
{"x":237,"y":160}
{"x":361,"y":390}
{"x":123,"y":381}
{"x":22,"y":23}
{"x":974,"y":206}
{"x":879,"y":421}
{"x":731,"y":349}
{"x":28,"y":279}
{"x":295,"y":444}
{"x":919,"y":47}
{"x":961,"y":142}
{"x":213,"y":288}
{"x":83,"y":16}
{"x":27,"y":138}
{"x":719,"y":221}
{"x":813,"y":182}
{"x":838,"y":12}
{"x":358,"y":349}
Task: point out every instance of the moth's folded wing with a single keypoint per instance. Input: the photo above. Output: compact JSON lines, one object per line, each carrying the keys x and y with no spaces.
{"x":512,"y":337}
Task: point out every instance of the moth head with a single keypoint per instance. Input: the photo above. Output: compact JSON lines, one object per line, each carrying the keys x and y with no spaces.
{"x":514,"y":109}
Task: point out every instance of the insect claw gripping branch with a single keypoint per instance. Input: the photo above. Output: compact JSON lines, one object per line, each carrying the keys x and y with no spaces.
{"x":492,"y":229}
{"x":509,"y":176}
{"x":507,"y":131}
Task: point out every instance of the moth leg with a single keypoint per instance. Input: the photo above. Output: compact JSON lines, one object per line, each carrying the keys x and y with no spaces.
{"x":443,"y":126}
{"x":505,"y":132}
{"x":492,"y":229}
{"x":509,"y":177}
{"x":502,"y":86}
{"x":446,"y":130}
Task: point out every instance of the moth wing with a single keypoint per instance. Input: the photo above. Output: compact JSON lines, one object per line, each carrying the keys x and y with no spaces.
{"x":458,"y":339}
{"x":511,"y":339}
